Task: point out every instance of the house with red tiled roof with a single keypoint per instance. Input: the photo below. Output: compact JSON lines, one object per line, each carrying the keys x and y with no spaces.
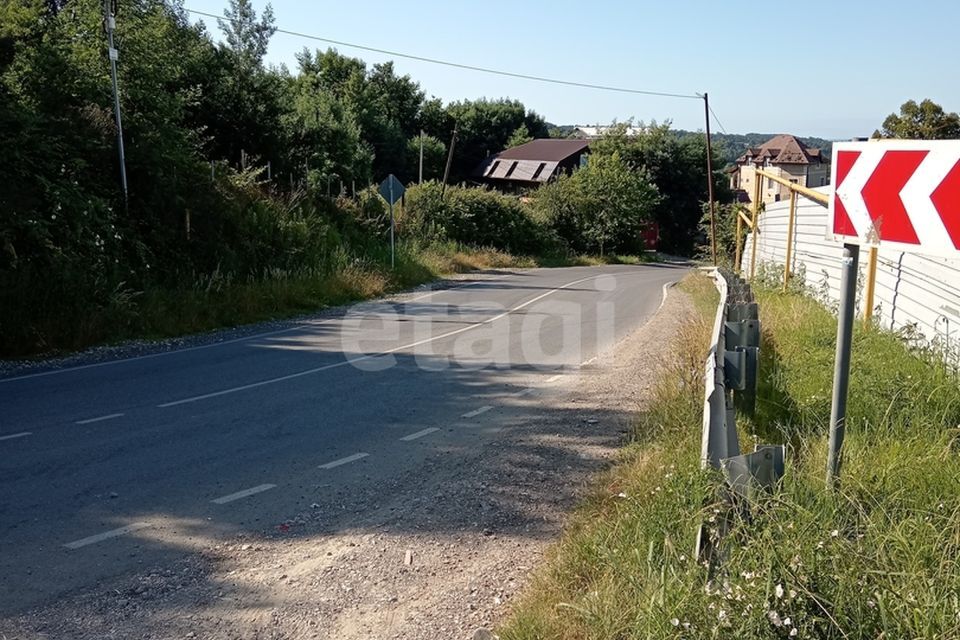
{"x":784,"y":156}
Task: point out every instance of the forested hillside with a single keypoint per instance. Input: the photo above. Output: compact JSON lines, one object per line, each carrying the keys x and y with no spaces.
{"x":242,"y":174}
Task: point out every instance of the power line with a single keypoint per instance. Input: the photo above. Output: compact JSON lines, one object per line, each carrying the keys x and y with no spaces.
{"x":719,"y":124}
{"x":457,"y":65}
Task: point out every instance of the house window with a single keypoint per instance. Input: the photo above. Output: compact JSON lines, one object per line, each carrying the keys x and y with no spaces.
{"x":493,"y":167}
{"x":536,"y":174}
{"x":510,"y":170}
{"x":793,"y":180}
{"x":770,"y":183}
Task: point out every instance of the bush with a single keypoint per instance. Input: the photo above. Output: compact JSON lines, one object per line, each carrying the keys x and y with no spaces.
{"x":601,"y":207}
{"x":472,"y":216}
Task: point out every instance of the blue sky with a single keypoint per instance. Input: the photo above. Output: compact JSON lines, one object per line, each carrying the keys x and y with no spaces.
{"x":833,"y":69}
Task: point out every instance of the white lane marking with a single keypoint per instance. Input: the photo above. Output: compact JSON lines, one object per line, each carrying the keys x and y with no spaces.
{"x":100,"y":419}
{"x":291,"y":376}
{"x":419,"y":434}
{"x":304,"y":325}
{"x":341,"y":461}
{"x":476,"y":412}
{"x":16,"y":435}
{"x":522,"y":392}
{"x":553,"y":378}
{"x":260,"y":488}
{"x":106,"y":535}
{"x":587,"y":362}
{"x":664,"y":298}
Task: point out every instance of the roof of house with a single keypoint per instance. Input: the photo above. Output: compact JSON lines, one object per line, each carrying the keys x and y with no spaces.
{"x":782,"y":149}
{"x":534,"y":161}
{"x":544,"y":149}
{"x":599,"y":131}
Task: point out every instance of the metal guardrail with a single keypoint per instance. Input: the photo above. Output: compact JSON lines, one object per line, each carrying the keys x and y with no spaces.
{"x":730,"y":385}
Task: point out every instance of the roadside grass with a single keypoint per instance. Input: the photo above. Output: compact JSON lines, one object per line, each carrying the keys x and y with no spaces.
{"x":216,"y":301}
{"x":879,"y":558}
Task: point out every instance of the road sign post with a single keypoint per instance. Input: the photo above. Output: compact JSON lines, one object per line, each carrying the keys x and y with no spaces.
{"x":392,"y":190}
{"x":898,"y":194}
{"x":841,"y":374}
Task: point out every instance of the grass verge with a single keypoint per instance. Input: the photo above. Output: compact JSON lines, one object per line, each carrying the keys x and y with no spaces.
{"x":879,"y":558}
{"x":218,"y":301}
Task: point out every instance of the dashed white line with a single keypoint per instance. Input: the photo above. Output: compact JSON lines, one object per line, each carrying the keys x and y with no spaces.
{"x":476,"y":412}
{"x":419,"y":434}
{"x":99,"y":419}
{"x":22,"y":434}
{"x":106,"y":535}
{"x":341,"y":461}
{"x":260,"y":488}
{"x":522,"y":392}
{"x":362,"y":358}
{"x":553,"y":378}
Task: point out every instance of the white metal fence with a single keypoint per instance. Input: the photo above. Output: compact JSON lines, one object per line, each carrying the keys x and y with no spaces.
{"x":917,"y":295}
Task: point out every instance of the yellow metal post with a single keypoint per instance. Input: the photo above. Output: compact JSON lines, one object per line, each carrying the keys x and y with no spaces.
{"x":871,"y":286}
{"x":753,"y":223}
{"x":790,"y":224}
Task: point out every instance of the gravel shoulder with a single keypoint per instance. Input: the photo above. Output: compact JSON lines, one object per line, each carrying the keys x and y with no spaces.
{"x":438,"y":552}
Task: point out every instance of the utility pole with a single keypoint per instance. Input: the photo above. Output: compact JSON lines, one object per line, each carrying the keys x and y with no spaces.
{"x":713,"y":213}
{"x":420,"y":181}
{"x":110,"y":23}
{"x":446,"y":172}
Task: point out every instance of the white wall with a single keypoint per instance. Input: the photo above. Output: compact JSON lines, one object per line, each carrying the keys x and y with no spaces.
{"x":915,"y":293}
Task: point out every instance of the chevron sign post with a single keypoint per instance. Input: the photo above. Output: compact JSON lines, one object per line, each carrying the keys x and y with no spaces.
{"x":900,"y":194}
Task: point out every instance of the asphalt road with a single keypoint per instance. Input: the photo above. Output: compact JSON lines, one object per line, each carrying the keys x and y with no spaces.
{"x":112,"y":467}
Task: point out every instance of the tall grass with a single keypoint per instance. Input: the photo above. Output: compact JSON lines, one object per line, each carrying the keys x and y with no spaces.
{"x":879,"y":558}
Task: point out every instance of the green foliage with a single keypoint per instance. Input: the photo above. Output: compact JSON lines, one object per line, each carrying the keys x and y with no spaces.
{"x":677,"y":165}
{"x":521,"y":135}
{"x":600,"y":207}
{"x":434,"y":157}
{"x":924,"y":121}
{"x":477,"y":217}
{"x":726,"y":231}
{"x":876,"y":559}
{"x":485,"y":127}
{"x":730,"y":146}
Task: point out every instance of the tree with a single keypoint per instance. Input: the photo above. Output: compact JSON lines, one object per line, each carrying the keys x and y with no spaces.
{"x":924,"y":121}
{"x":521,"y":135}
{"x":600,"y":207}
{"x":246,"y":36}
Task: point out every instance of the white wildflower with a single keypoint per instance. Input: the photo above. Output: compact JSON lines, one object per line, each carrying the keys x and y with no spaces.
{"x":778,"y":591}
{"x":675,"y":622}
{"x":774,"y":618}
{"x":835,"y":533}
{"x":787,"y":621}
{"x":793,"y":632}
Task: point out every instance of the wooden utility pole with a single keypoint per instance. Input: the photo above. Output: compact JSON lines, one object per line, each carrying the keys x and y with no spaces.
{"x":713,"y":213}
{"x":446,"y":171}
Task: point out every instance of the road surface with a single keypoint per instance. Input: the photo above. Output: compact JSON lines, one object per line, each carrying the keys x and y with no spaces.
{"x":111,"y":467}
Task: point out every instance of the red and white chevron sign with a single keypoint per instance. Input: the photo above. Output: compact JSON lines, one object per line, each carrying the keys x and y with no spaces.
{"x":904,"y":194}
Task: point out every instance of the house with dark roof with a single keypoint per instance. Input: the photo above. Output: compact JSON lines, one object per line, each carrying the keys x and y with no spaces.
{"x":531,"y":164}
{"x":784,"y":156}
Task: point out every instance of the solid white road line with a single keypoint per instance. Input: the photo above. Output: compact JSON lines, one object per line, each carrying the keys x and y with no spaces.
{"x":347,"y":460}
{"x":419,"y":434}
{"x":16,"y":435}
{"x":305,"y":325}
{"x":106,"y":535}
{"x":260,"y":488}
{"x":100,"y":419}
{"x":664,"y":298}
{"x":476,"y":412}
{"x":411,"y":345}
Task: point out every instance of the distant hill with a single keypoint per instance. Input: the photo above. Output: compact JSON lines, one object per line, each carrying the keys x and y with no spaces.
{"x":731,"y":145}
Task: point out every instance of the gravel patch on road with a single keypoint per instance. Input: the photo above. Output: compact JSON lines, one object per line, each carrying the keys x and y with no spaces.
{"x":438,"y":552}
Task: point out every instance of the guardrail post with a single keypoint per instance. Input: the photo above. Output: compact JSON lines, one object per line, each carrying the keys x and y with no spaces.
{"x":790,"y":225}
